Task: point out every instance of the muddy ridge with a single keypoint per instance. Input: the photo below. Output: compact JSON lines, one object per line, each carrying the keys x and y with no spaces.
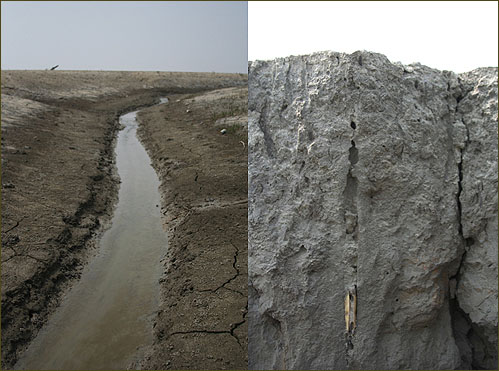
{"x":198,"y":146}
{"x":58,"y":182}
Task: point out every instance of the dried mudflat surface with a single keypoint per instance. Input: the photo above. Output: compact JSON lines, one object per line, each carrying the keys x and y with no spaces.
{"x":202,"y":318}
{"x":59,"y":187}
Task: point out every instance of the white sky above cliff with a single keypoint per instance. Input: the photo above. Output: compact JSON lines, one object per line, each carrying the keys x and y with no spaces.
{"x":125,"y":35}
{"x":457,"y":36}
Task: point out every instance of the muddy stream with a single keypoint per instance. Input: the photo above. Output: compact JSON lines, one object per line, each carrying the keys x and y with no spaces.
{"x":104,"y":322}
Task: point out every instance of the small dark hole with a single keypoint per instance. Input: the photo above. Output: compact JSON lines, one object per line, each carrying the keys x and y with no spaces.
{"x":387,"y":272}
{"x":353,"y":143}
{"x":353,"y":156}
{"x":396,"y":299}
{"x":352,"y":124}
{"x":470,"y":241}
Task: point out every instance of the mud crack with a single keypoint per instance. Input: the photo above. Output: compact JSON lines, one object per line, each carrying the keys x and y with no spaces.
{"x":238,"y":272}
{"x":15,"y":225}
{"x":230,"y":332}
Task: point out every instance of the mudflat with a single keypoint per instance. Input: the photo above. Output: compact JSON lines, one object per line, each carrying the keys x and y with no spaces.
{"x":198,"y":146}
{"x":59,"y":187}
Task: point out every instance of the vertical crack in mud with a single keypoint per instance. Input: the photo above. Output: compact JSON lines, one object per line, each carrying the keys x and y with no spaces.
{"x":460,"y":321}
{"x":350,"y":195}
{"x":466,"y":241}
{"x":460,"y":180}
{"x":262,"y":124}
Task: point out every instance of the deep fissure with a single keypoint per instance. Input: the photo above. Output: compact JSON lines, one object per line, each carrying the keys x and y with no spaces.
{"x":458,"y":315}
{"x":351,"y":231}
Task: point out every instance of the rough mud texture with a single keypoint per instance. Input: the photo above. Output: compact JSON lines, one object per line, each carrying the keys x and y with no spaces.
{"x":378,"y":180}
{"x":58,"y":183}
{"x":477,"y":279}
{"x":201,"y":321}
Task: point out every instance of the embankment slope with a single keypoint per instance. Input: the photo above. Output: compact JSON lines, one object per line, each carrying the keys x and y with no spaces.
{"x":201,"y":322}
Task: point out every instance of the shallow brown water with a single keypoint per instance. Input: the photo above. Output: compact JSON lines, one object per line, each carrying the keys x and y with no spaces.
{"x":105,"y":318}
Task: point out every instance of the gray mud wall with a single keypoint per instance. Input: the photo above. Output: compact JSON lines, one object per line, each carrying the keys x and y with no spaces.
{"x":375,"y":183}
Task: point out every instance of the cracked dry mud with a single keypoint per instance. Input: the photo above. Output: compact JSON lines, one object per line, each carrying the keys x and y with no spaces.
{"x":59,"y":187}
{"x":202,"y":318}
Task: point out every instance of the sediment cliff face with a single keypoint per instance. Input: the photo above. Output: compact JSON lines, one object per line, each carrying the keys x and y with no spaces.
{"x":372,"y":215}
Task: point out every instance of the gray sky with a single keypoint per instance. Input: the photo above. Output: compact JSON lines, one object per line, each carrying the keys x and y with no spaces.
{"x":449,"y":35}
{"x":138,"y":36}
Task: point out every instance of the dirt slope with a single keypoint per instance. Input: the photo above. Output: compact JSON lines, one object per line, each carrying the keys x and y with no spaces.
{"x":202,"y":318}
{"x":58,"y":188}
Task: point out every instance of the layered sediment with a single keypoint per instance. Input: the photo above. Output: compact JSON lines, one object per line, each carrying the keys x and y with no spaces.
{"x":372,"y":215}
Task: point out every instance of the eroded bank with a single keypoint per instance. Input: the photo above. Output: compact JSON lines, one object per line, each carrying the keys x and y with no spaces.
{"x":201,"y":320}
{"x":105,"y":320}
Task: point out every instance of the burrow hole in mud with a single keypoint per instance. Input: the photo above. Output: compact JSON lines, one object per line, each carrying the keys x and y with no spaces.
{"x":469,"y":241}
{"x":350,"y":345}
{"x":353,"y":125}
{"x":353,"y":154}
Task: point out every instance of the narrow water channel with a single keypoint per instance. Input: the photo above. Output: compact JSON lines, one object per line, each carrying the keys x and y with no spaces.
{"x":106,"y":317}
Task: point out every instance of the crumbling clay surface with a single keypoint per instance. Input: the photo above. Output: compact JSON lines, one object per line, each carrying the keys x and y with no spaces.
{"x":372,"y":215}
